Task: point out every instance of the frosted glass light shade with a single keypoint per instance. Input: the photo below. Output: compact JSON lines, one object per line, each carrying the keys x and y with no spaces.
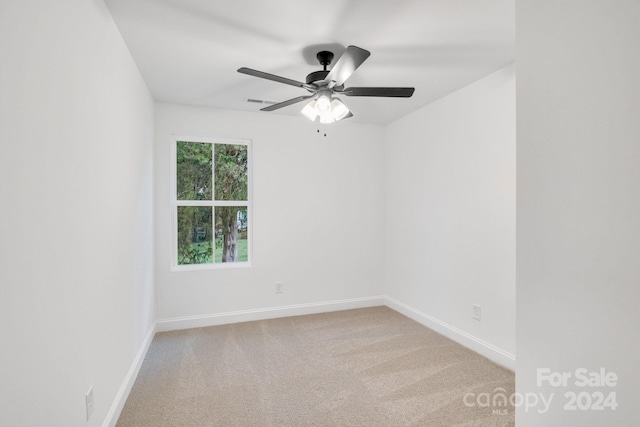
{"x":326,"y":117}
{"x":323,"y":104}
{"x":310,"y":111}
{"x":338,"y":109}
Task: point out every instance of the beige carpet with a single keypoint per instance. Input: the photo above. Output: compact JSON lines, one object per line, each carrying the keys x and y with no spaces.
{"x":365,"y":367}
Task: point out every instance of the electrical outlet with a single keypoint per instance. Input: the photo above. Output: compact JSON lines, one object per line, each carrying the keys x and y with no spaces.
{"x":279,"y":287}
{"x":476,"y":311}
{"x":89,"y":402}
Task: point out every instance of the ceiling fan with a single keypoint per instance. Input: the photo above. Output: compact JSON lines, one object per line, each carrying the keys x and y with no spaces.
{"x":325,"y":84}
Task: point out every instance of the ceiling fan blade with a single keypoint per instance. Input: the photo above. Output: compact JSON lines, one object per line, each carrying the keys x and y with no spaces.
{"x":350,"y":60}
{"x":272,"y":77}
{"x":286,"y":103}
{"x":389,"y":92}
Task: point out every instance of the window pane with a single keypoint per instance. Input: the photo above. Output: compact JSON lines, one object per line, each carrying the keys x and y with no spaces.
{"x":231,"y":234}
{"x":231,"y":172}
{"x":195,"y":237}
{"x":193,"y":170}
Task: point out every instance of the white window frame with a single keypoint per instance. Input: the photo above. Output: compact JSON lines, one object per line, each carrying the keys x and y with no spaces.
{"x":213,"y":203}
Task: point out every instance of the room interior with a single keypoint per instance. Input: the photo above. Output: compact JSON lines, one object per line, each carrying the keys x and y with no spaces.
{"x":508,"y":181}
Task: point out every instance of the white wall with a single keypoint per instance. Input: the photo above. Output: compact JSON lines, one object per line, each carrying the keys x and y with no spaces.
{"x":578,"y":268}
{"x":76,"y":254}
{"x":317,"y":208}
{"x":450,"y":215}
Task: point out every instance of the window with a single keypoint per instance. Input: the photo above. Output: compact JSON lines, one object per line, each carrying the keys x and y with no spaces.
{"x":211,"y":203}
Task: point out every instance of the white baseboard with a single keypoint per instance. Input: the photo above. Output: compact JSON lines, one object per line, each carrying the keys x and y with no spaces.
{"x":266,"y":313}
{"x":490,"y":351}
{"x":121,"y":398}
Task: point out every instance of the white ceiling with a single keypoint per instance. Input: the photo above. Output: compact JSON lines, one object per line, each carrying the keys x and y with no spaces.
{"x":188,"y":51}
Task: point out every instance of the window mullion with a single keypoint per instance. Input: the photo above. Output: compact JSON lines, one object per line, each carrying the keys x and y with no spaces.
{"x":213,"y":200}
{"x":230,"y":203}
{"x":213,"y":172}
{"x":194,"y":203}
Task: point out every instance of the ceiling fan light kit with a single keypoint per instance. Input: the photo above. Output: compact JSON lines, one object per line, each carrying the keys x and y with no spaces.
{"x":325,"y":84}
{"x":329,"y":109}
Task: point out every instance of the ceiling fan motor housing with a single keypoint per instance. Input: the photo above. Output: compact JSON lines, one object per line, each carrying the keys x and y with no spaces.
{"x":316,"y":76}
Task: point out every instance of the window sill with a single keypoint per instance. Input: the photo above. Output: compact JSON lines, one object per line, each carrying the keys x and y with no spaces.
{"x":218,"y":266}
